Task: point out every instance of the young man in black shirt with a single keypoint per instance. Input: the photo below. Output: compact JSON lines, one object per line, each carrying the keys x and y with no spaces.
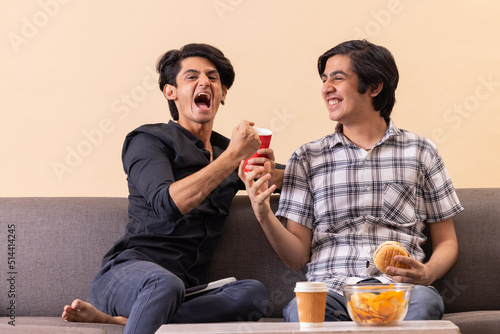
{"x":182,"y":177}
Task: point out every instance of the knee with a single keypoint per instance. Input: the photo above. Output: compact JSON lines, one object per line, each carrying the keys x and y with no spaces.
{"x":252,"y":298}
{"x":425,"y":304}
{"x":168,"y":280}
{"x":290,"y":312}
{"x":255,"y":290}
{"x":335,"y":308}
{"x":165,"y":286}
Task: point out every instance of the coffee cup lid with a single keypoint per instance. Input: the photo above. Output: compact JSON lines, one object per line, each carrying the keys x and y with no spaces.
{"x":310,"y":287}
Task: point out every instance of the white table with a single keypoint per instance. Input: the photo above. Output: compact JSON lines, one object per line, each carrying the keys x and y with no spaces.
{"x":415,"y":327}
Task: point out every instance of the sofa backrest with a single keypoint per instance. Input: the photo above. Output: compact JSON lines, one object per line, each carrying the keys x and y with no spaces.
{"x":472,"y":284}
{"x":244,"y":252}
{"x":59,"y":245}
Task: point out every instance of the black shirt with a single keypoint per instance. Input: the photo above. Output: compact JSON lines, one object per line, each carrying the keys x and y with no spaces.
{"x":155,"y":156}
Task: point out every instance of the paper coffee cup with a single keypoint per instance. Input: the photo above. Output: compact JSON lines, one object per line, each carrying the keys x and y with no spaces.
{"x":265,"y":140}
{"x":311,"y":303}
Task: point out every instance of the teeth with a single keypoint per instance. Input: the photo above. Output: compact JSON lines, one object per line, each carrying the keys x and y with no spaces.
{"x":200,"y":94}
{"x":332,"y":102}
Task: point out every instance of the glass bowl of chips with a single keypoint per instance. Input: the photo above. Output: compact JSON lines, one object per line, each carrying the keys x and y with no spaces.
{"x":377,"y":304}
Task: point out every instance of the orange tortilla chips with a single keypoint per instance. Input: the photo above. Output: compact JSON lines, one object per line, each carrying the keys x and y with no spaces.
{"x":382,"y":309}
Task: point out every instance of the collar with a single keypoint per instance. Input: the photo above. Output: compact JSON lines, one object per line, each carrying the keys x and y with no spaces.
{"x":338,"y":138}
{"x":216,"y":139}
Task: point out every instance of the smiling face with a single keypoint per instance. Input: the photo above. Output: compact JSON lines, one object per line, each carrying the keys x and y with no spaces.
{"x":340,"y":92}
{"x":199,"y":91}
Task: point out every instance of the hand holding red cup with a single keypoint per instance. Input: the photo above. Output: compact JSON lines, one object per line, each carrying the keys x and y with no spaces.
{"x":265,"y":140}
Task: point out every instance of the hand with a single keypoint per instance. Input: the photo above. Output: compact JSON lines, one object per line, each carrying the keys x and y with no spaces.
{"x":276,"y":174}
{"x":258,"y":191}
{"x":256,"y":162}
{"x":244,"y":140}
{"x":417,"y":273}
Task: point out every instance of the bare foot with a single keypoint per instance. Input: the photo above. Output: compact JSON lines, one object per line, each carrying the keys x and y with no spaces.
{"x":80,"y":311}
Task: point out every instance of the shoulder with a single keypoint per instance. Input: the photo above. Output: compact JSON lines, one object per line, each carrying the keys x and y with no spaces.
{"x":308,"y":156}
{"x":150,"y":138}
{"x":409,"y":139}
{"x":158,"y":130}
{"x":314,"y":148}
{"x":169,"y":134}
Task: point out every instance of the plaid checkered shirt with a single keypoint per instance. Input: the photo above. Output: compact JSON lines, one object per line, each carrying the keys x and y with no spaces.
{"x":354,"y":199}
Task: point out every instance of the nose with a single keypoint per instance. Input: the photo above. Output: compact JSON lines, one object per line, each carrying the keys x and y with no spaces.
{"x":327,"y":87}
{"x":203,"y":80}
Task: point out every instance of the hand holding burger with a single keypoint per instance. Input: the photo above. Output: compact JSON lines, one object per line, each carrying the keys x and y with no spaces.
{"x":384,"y":256}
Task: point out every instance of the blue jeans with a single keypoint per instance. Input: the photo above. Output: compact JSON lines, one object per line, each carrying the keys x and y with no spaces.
{"x":425,"y":304}
{"x":150,"y":296}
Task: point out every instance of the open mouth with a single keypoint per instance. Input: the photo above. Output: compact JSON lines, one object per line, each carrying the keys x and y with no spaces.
{"x":203,"y":100}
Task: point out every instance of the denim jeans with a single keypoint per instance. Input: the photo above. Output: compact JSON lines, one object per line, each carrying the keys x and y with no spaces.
{"x":425,"y":304}
{"x":150,"y":296}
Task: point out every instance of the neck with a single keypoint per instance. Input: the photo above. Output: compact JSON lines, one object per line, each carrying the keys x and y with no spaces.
{"x":200,"y":130}
{"x":366,"y":134}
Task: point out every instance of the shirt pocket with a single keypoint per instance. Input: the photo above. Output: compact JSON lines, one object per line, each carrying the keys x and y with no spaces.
{"x":399,"y":203}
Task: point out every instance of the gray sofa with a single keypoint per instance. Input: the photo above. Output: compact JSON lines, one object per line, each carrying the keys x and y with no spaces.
{"x":57,"y":245}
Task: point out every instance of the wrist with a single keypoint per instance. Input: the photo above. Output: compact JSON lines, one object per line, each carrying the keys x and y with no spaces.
{"x":429,"y":275}
{"x":265,"y":214}
{"x":229,"y":159}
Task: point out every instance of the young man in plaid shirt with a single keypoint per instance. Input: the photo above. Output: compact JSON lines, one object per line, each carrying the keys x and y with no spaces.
{"x":366,"y":183}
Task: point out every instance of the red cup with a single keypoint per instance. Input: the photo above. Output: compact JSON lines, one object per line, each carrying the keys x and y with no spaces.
{"x":265,"y":139}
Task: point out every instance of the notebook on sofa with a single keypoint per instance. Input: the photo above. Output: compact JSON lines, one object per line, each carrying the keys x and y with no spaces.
{"x":208,"y":286}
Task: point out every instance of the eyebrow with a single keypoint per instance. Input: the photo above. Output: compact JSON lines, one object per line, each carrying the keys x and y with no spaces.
{"x":333,"y":74}
{"x":198,"y":72}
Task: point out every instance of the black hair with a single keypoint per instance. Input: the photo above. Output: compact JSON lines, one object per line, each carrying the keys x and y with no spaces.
{"x":373,"y":65}
{"x":168,"y":66}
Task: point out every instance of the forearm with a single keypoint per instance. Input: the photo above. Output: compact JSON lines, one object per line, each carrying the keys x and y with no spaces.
{"x":292,"y":243}
{"x":293,"y":251}
{"x":190,"y":191}
{"x":443,"y":258}
{"x":444,"y":255}
{"x":444,"y":249}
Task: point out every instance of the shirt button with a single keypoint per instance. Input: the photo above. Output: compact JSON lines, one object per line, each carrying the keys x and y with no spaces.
{"x":368,"y":188}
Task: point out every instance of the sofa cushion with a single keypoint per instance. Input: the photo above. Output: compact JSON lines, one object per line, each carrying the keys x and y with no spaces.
{"x":56,"y":325}
{"x":476,"y":322}
{"x":31,"y":329}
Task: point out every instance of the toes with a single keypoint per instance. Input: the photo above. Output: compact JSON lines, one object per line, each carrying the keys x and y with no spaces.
{"x":76,"y":304}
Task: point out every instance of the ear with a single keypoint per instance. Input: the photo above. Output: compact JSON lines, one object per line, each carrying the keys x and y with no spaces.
{"x":224,"y":94}
{"x":376,"y":89}
{"x":170,"y":92}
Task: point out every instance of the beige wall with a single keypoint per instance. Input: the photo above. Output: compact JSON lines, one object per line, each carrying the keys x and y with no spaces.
{"x":77,"y":76}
